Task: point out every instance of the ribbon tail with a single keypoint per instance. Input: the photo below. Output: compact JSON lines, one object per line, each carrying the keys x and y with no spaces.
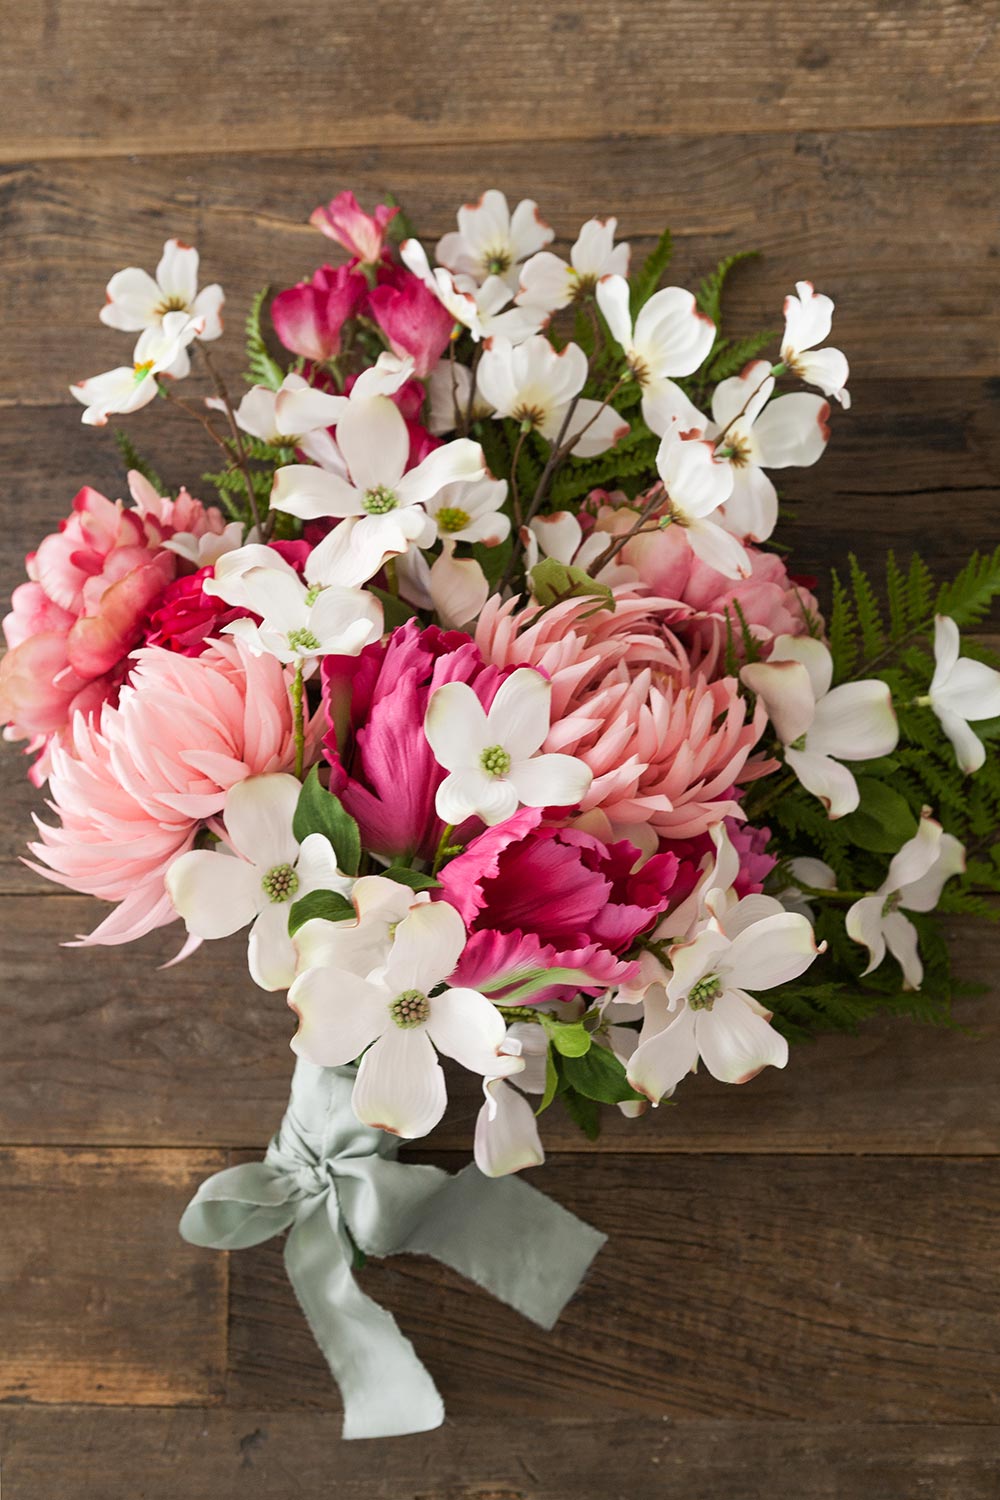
{"x":386,"y":1390}
{"x":510,"y":1239}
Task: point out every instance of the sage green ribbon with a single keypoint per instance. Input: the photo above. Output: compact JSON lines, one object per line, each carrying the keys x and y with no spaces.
{"x":335,"y":1185}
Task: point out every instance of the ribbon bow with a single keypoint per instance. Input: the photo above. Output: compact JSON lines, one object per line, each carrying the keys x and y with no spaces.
{"x":335,"y":1185}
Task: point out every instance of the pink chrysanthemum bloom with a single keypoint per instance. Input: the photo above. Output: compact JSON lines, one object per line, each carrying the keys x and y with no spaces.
{"x":134,"y":784}
{"x":666,"y":744}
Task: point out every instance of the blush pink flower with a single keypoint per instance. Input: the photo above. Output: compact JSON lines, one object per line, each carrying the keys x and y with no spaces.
{"x":345,"y":221}
{"x":382,"y":766}
{"x":411,"y":317}
{"x":308,"y":318}
{"x":133,"y":785}
{"x":665,"y":743}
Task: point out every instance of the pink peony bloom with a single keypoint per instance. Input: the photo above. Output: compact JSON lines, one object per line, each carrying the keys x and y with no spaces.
{"x":344,"y":220}
{"x":134,"y":784}
{"x":383,"y":768}
{"x":308,"y":318}
{"x":186,"y":618}
{"x":665,"y":743}
{"x":412,"y":318}
{"x":562,"y":887}
{"x":772,"y":603}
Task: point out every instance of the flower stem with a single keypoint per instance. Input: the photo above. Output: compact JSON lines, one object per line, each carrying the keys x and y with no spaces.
{"x":442,"y":848}
{"x":237,"y":437}
{"x":299,"y":719}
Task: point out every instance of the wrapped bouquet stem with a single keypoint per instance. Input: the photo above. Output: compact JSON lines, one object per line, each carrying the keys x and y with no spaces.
{"x":481,"y":698}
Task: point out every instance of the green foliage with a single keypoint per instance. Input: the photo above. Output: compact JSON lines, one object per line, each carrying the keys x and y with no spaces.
{"x":552,"y":582}
{"x":331,"y":906}
{"x":709,"y":294}
{"x":133,"y":460}
{"x":415,"y":879}
{"x":597,"y":1074}
{"x":569,"y":1038}
{"x":729,"y":356}
{"x":645,"y":283}
{"x":968,"y":598}
{"x":263,"y":368}
{"x":319,"y":811}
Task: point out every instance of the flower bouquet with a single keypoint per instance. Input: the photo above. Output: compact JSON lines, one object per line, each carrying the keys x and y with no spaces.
{"x":482,"y":699}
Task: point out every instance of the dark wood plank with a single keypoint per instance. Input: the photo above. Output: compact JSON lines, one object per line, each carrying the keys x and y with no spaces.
{"x":103,"y":1302}
{"x":103,"y":1047}
{"x":265,"y":1455}
{"x":282,"y":76}
{"x":899,"y":226}
{"x":769,"y":1288}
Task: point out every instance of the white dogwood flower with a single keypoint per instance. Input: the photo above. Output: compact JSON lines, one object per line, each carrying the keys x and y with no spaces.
{"x":257,"y":414}
{"x":670,"y":337}
{"x":449,"y":388}
{"x":160,"y":350}
{"x":547,"y":281}
{"x":492,"y":241}
{"x":492,"y":758}
{"x":136,"y":300}
{"x":535,"y":385}
{"x":397,"y":1020}
{"x":704,"y":1009}
{"x":753,"y":433}
{"x":301,"y":618}
{"x":507,"y":1138}
{"x":454,"y":588}
{"x":808,"y":320}
{"x":697,"y":484}
{"x":914,"y":882}
{"x":961,"y":689}
{"x":484,"y":310}
{"x":819,"y":726}
{"x":218,"y":893}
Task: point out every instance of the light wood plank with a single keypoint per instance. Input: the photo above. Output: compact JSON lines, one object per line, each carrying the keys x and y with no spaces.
{"x":103,"y":1302}
{"x":102,"y":1047}
{"x":774,"y":1288}
{"x":88,"y":1454}
{"x":291,"y":76}
{"x":870,"y":216}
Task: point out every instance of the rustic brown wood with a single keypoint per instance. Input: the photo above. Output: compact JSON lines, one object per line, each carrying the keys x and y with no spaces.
{"x":772,"y":1287}
{"x":104,"y":1048}
{"x":870,"y":216}
{"x":294,"y":75}
{"x":268,"y":1455}
{"x":103,"y":1303}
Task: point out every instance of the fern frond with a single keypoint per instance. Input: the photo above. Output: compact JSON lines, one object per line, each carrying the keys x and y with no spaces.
{"x":263,"y":367}
{"x":133,"y":460}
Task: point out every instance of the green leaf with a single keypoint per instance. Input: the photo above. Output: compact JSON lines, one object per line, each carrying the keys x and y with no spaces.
{"x":319,"y":811}
{"x":569,"y":1038}
{"x":400,"y":225}
{"x":263,"y":367}
{"x":648,"y":279}
{"x":395,"y":611}
{"x":551,"y":1082}
{"x":492,"y":560}
{"x":583,"y":1111}
{"x":330,"y":905}
{"x":415,"y":879}
{"x":552,"y":582}
{"x":599,"y":1075}
{"x":968,"y":597}
{"x":884,"y":820}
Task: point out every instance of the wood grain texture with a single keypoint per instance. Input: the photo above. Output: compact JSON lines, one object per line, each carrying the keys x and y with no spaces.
{"x":268,"y":1455}
{"x":103,"y":1302}
{"x":120,"y":1052}
{"x":515,"y":71}
{"x":870,"y":216}
{"x":767,"y":1288}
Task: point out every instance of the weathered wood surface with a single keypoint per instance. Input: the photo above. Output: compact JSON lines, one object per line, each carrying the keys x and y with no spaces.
{"x":870,"y":216}
{"x":300,"y":75}
{"x":268,"y":1455}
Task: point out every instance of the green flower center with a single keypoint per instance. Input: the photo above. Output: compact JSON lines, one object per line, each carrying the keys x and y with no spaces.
{"x":410,"y":1009}
{"x":452,"y":518}
{"x":495,"y":761}
{"x":303,"y":640}
{"x":313,"y":594}
{"x":141,"y":371}
{"x":704,"y":994}
{"x":280,"y":884}
{"x":379,"y":501}
{"x":497,"y":262}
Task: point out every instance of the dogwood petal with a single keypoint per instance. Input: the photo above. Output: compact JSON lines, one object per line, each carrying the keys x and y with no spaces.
{"x":693,"y":960}
{"x":695,"y":480}
{"x":904,"y":945}
{"x":855,"y":722}
{"x":812,"y":654}
{"x":507,"y":1138}
{"x":546,"y":281}
{"x":666,"y":408}
{"x":924,"y":893}
{"x":771,"y":951}
{"x":344,"y":621}
{"x":827,"y":779}
{"x":339,"y":1013}
{"x":671,"y":334}
{"x":133,"y":301}
{"x":372,"y":436}
{"x":216,"y":894}
{"x":519,"y":715}
{"x":458,"y":588}
{"x":751,"y":512}
{"x":270,"y":951}
{"x":177,"y":272}
{"x":970,"y":752}
{"x":400,"y":1087}
{"x":317,"y":868}
{"x":456,"y":725}
{"x":808,"y":319}
{"x":918,"y":855}
{"x":972,"y":690}
{"x":453,"y":462}
{"x":786,"y":692}
{"x":600,"y":427}
{"x":310,"y":493}
{"x":303,"y":409}
{"x":464,"y":1025}
{"x":258,"y":817}
{"x":718,"y":549}
{"x":747,"y":912}
{"x":659,"y":1063}
{"x":793,"y":432}
{"x":208,"y":307}
{"x":426,"y":948}
{"x":613,"y":299}
{"x":470,"y":792}
{"x":735,"y":1043}
{"x":743,"y":395}
{"x":864,"y":924}
{"x":947,"y":642}
{"x":551,"y":780}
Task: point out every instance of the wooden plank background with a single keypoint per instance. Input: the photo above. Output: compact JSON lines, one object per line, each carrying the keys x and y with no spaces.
{"x":800,"y":1295}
